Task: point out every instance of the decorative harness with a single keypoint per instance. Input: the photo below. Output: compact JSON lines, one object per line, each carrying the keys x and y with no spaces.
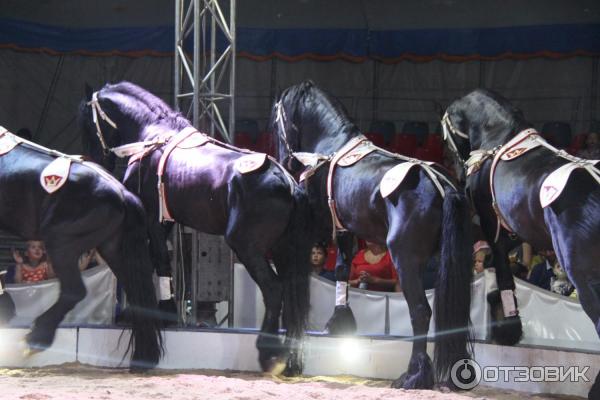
{"x":173,"y":140}
{"x":8,"y":141}
{"x":523,"y":142}
{"x":353,"y":151}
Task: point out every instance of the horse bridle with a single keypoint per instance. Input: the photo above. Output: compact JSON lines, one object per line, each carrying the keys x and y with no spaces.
{"x":124,"y":150}
{"x":97,"y":111}
{"x":448,"y":131}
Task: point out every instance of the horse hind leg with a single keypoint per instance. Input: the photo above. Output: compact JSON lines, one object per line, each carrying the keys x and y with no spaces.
{"x":269,"y":345}
{"x":72,"y":291}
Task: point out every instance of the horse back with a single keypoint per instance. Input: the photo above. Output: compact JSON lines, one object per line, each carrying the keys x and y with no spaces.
{"x":203,"y":183}
{"x":26,"y":208}
{"x":518,"y":183}
{"x":360,"y":204}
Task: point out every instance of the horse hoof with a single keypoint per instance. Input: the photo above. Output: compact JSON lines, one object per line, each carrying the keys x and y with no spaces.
{"x":399,"y":383}
{"x":342,"y":322}
{"x":272,"y":365}
{"x":277,"y":367}
{"x":407,"y":381}
{"x":30,"y":351}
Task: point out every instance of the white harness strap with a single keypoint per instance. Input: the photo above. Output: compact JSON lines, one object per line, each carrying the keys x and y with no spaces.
{"x":163,"y":210}
{"x":315,"y":161}
{"x":97,"y":110}
{"x":348,"y":147}
{"x":504,"y":149}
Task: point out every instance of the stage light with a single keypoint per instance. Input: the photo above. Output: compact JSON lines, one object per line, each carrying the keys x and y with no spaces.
{"x":349,"y":349}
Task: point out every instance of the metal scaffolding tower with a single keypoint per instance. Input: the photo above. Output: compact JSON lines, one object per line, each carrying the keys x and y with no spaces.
{"x":204,"y":88}
{"x":204,"y":81}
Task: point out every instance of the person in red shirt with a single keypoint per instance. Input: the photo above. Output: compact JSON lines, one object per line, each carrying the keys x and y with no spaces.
{"x":373,"y":266}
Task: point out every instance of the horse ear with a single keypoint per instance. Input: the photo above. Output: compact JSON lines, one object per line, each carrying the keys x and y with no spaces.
{"x":88,"y":91}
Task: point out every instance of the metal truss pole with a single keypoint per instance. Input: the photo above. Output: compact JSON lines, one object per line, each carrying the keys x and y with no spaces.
{"x":204,"y":81}
{"x":204,"y":89}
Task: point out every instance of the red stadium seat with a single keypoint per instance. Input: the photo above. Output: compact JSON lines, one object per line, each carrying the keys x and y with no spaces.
{"x":377,"y":138}
{"x":404,"y":144}
{"x":243,"y":140}
{"x":433,"y":140}
{"x":265,"y":143}
{"x":331,"y":257}
{"x":577,"y":143}
{"x":425,"y":154}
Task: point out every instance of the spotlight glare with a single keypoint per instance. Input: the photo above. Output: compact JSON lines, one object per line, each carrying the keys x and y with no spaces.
{"x":349,"y":349}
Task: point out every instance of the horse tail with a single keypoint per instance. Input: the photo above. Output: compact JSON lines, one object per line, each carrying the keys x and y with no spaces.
{"x":295,"y":253}
{"x":136,"y":277}
{"x":453,"y":288}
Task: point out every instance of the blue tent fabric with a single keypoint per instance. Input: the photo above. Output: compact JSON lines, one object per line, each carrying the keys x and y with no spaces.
{"x":359,"y":44}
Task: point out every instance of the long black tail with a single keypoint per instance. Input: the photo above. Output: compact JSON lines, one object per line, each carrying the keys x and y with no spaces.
{"x":453,"y":290}
{"x":136,"y":278}
{"x":294,"y":251}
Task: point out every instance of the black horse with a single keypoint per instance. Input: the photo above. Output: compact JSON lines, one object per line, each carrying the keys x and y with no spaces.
{"x":214,"y":188}
{"x":422,"y":217}
{"x":519,"y":197}
{"x":90,"y":210}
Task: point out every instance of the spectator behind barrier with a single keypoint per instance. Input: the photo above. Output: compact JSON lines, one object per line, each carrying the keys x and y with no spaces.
{"x":318,"y":256}
{"x":372,"y":269}
{"x":592,"y":147}
{"x":542,"y":273}
{"x":33,"y":265}
{"x":482,"y":256}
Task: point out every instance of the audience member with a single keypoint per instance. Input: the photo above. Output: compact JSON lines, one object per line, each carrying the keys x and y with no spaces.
{"x":592,"y":147}
{"x":372,"y":269}
{"x":33,"y":266}
{"x":90,"y":259}
{"x":560,"y":284}
{"x":318,"y":256}
{"x":482,"y":256}
{"x":542,"y":273}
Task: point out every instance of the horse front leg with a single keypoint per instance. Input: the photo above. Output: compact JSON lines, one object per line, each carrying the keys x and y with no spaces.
{"x":420,"y":369}
{"x":507,"y":328}
{"x":72,"y":291}
{"x":342,"y":322}
{"x":157,"y":235}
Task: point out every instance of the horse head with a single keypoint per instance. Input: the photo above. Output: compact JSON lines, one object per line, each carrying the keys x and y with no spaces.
{"x":123,"y":113}
{"x":480,"y":120}
{"x":307,"y":119}
{"x":98,"y":135}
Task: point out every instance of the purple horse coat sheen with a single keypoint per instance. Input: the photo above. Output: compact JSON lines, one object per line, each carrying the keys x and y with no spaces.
{"x":415,"y":221}
{"x":91,"y":210}
{"x":570,"y":225}
{"x":261,"y":213}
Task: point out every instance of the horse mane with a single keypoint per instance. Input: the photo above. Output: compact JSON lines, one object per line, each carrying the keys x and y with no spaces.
{"x":159,"y":111}
{"x":504,"y":110}
{"x":325,"y":107}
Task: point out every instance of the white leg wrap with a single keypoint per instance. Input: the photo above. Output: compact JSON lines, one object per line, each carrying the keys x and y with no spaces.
{"x":341,"y":293}
{"x":1,"y":285}
{"x":164,"y":288}
{"x":508,"y":303}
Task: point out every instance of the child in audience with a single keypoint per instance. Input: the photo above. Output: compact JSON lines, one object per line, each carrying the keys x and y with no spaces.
{"x":34,"y":265}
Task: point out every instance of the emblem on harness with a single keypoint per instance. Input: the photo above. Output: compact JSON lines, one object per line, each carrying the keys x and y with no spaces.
{"x":515,"y":153}
{"x":52,"y":180}
{"x":250,"y":163}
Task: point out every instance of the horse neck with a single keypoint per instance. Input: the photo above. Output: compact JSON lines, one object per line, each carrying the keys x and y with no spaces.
{"x":327,"y":140}
{"x":496,"y":130}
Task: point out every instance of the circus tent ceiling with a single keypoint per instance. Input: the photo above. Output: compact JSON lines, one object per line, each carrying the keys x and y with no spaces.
{"x":353,"y":30}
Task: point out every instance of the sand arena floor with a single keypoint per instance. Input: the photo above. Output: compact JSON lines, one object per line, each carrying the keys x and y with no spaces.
{"x":77,"y":381}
